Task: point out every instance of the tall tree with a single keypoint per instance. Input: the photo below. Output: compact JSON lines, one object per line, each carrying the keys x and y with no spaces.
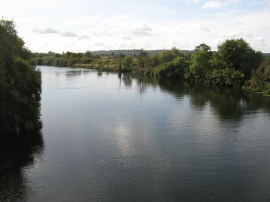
{"x":237,"y":54}
{"x":200,"y":62}
{"x":203,"y":47}
{"x":20,"y":84}
{"x":126,"y":64}
{"x":142,"y":56}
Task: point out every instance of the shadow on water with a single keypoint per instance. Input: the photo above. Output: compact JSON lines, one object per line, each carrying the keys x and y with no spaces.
{"x":126,"y":79}
{"x":73,"y":73}
{"x":99,"y":73}
{"x":227,"y":104}
{"x":16,"y":154}
{"x":70,"y":73}
{"x":76,"y":73}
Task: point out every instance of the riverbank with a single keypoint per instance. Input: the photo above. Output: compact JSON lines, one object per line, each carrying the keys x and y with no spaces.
{"x":235,"y":65}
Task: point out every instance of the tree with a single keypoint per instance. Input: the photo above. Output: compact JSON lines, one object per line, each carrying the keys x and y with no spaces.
{"x":226,"y":77}
{"x":172,"y":69}
{"x":126,"y":64}
{"x":166,"y":56}
{"x":237,"y":54}
{"x":200,"y":63}
{"x":175,"y":51}
{"x":202,"y":47}
{"x":20,"y":84}
{"x":153,"y":60}
{"x":260,"y":79}
{"x":142,"y":58}
{"x":88,"y":54}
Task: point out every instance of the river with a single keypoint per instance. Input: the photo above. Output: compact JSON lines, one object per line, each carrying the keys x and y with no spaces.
{"x":110,"y":137}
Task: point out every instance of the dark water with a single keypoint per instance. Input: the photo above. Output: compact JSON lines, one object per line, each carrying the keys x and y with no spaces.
{"x":107,"y":137}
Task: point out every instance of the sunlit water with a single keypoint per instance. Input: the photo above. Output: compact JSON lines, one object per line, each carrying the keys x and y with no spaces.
{"x":108,"y":137}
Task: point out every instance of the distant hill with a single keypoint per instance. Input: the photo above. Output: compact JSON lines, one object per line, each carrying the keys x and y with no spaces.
{"x":132,"y":52}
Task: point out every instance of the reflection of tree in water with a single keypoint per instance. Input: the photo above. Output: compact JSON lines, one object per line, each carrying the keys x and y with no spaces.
{"x":144,"y":82}
{"x":86,"y":72}
{"x":99,"y":73}
{"x":126,"y":78}
{"x":76,"y":73}
{"x":73,"y":73}
{"x":15,"y":154}
{"x":227,"y":104}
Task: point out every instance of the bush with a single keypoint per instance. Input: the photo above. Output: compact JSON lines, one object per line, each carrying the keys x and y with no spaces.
{"x":227,"y":77}
{"x":172,"y":69}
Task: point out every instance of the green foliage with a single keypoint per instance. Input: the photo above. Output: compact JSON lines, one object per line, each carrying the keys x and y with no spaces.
{"x":260,"y":80}
{"x":126,"y":64}
{"x":81,"y":60}
{"x":20,"y":84}
{"x":227,"y":77}
{"x":85,"y":60}
{"x":200,"y":63}
{"x":175,"y":68}
{"x":175,"y":51}
{"x":153,"y":60}
{"x":202,"y":47}
{"x":141,"y":59}
{"x":230,"y":66}
{"x":166,"y":56}
{"x":169,"y":55}
{"x":237,"y":54}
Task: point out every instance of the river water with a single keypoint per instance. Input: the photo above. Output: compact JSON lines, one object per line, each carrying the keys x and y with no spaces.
{"x":110,"y":137}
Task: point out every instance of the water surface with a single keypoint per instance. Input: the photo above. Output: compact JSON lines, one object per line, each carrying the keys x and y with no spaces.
{"x":110,"y":137}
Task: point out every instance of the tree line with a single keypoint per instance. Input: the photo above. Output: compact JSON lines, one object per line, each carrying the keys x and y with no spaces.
{"x":234,"y":64}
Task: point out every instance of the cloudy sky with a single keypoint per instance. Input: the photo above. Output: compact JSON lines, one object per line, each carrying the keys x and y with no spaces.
{"x":81,"y":25}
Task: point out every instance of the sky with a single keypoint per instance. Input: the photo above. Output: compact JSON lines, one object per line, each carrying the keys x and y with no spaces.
{"x":88,"y":25}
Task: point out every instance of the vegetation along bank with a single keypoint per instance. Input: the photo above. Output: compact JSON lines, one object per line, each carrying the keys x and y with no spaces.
{"x":234,"y":64}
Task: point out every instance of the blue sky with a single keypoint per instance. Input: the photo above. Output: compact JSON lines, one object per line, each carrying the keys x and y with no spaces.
{"x":81,"y":25}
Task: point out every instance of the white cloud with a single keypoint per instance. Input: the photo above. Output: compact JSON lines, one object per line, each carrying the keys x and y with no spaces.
{"x":191,"y":1}
{"x":65,"y":34}
{"x":266,"y":2}
{"x":237,"y":34}
{"x":148,"y":3}
{"x":99,"y":44}
{"x":47,"y":30}
{"x":126,"y":38}
{"x":205,"y":29}
{"x":69,"y":34}
{"x":83,"y":37}
{"x":162,"y":24}
{"x":212,"y":4}
{"x":142,"y":30}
